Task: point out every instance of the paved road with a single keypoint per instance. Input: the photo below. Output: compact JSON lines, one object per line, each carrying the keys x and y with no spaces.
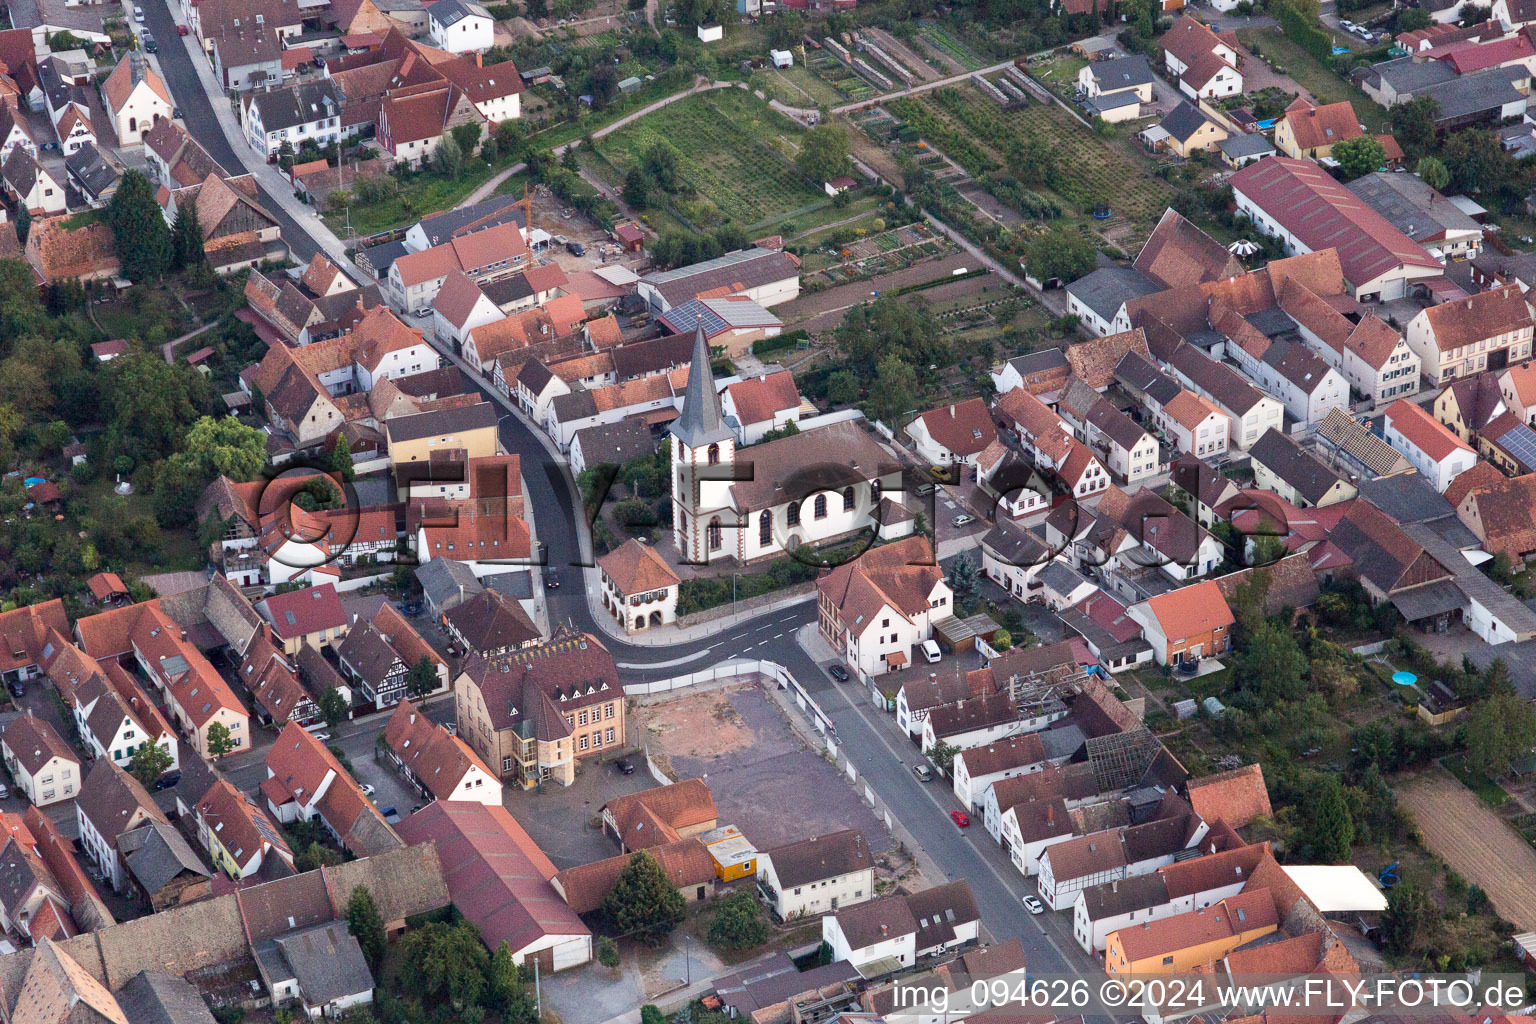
{"x":970,"y":855}
{"x":181,"y":76}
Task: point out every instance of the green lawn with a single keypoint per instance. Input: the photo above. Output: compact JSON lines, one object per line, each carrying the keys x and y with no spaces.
{"x":1315,"y":77}
{"x":421,"y":193}
{"x":734,"y":152}
{"x":1489,"y":791}
{"x":796,"y":87}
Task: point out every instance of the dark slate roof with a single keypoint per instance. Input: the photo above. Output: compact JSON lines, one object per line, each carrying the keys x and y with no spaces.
{"x":443,"y":421}
{"x":1297,"y":467}
{"x":440,"y":227}
{"x":1107,"y":289}
{"x":156,"y":853}
{"x":820,"y":857}
{"x":154,"y":997}
{"x":1183,"y":121}
{"x":327,"y":961}
{"x":655,"y":355}
{"x":92,"y":170}
{"x":615,"y":443}
{"x":701,"y":421}
{"x":1123,"y":72}
{"x":298,"y":104}
{"x":1406,"y":497}
{"x":382,"y":257}
{"x":441,"y":579}
{"x":1249,"y":145}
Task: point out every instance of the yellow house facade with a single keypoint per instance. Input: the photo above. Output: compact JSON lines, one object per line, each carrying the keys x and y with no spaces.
{"x":1181,"y":943}
{"x":470,"y":428}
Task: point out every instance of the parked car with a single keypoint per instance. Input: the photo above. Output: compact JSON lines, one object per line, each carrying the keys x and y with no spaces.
{"x":168,"y":780}
{"x":181,"y":30}
{"x":368,"y":790}
{"x":576,"y":248}
{"x":17,"y":687}
{"x":425,"y":311}
{"x":138,"y":14}
{"x":962,"y":520}
{"x":5,"y":791}
{"x":624,"y":766}
{"x":931,"y":651}
{"x":390,"y":815}
{"x":323,"y":737}
{"x":923,"y":772}
{"x":1033,"y":905}
{"x":148,"y":39}
{"x":838,"y":672}
{"x":960,"y":818}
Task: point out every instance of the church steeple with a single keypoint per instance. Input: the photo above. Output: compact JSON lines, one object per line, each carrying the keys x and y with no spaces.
{"x":701,"y":422}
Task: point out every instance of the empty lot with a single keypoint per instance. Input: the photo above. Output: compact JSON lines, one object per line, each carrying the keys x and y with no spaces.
{"x":1476,"y":842}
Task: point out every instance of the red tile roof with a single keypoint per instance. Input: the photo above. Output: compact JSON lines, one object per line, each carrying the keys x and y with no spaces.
{"x":1485,"y":315}
{"x":1190,"y":611}
{"x":1315,"y":127}
{"x":964,"y":428}
{"x":758,"y":399}
{"x":1423,"y":431}
{"x":1311,"y":205}
{"x":1236,"y":797}
{"x":299,"y":613}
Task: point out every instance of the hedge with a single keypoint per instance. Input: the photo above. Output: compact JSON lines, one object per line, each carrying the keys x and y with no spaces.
{"x":1307,"y":34}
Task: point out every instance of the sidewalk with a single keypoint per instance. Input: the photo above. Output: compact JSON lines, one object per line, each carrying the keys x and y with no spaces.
{"x":671,"y":635}
{"x":278,"y":188}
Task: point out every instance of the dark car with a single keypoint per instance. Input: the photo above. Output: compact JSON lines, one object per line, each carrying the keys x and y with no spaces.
{"x":150,"y":46}
{"x":18,"y":689}
{"x":838,"y":672}
{"x":551,"y":579}
{"x":576,"y":248}
{"x":624,"y":766}
{"x":168,"y":780}
{"x":390,"y":815}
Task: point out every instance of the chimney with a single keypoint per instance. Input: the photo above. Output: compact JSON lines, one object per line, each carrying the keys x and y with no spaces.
{"x":479,"y":62}
{"x":1114,"y":886}
{"x":885,"y":929}
{"x":1050,"y":815}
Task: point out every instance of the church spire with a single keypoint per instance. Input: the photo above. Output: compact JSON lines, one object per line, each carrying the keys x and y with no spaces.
{"x":701,"y":421}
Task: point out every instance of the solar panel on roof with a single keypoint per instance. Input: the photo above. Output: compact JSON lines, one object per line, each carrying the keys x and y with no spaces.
{"x":1520,"y":441}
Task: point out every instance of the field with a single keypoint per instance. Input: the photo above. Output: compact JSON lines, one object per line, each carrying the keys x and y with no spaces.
{"x":980,"y":136}
{"x":732,"y":149}
{"x":1476,"y":843}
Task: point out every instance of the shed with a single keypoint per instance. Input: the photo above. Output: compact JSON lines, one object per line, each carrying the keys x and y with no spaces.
{"x":1213,"y":707}
{"x":631,"y":83}
{"x":782,"y":58}
{"x":711,"y":33}
{"x":1183,"y":709}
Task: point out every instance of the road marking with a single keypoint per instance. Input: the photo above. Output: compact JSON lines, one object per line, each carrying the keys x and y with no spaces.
{"x":777,"y":635}
{"x":695,"y":656}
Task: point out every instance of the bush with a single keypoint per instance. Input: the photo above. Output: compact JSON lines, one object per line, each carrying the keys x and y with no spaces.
{"x":634,"y":514}
{"x":739,"y":923}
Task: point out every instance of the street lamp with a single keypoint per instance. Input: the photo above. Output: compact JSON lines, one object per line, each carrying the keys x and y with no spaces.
{"x":733,"y":594}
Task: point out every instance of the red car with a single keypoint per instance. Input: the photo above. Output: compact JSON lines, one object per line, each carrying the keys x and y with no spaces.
{"x":960,"y":818}
{"x":181,"y":30}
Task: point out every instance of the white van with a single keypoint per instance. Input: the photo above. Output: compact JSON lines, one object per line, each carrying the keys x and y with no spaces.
{"x":930,"y":651}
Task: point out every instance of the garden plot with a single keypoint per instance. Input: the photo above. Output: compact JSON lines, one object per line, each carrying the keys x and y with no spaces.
{"x":838,"y":75}
{"x":949,"y":50}
{"x":903,"y":53}
{"x":1089,"y":170}
{"x":733,"y":151}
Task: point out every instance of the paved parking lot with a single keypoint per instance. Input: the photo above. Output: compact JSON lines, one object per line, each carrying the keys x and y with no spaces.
{"x":565,"y":820}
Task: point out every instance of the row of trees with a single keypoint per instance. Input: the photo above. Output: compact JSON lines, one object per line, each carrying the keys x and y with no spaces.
{"x":147,"y":249}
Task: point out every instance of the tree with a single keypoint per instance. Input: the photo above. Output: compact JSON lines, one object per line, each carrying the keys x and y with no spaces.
{"x":608,"y":953}
{"x":422,"y":679}
{"x":187,"y":238}
{"x":823,"y":153}
{"x":660,"y":162}
{"x":1061,"y":252}
{"x":341,"y":458}
{"x":643,"y":902}
{"x":150,"y":762}
{"x":1476,"y":160}
{"x":333,"y":707}
{"x":1270,"y":665}
{"x":441,"y":963}
{"x":226,"y":446}
{"x":943,"y":756}
{"x":843,"y":387}
{"x":637,"y":189}
{"x":1359,"y":156}
{"x":509,"y":992}
{"x":895,"y":391}
{"x":1500,"y":730}
{"x":739,"y":923}
{"x":603,"y":83}
{"x":1435,"y":174}
{"x":467,"y":136}
{"x":366,"y":925}
{"x":1411,"y":19}
{"x":1409,"y":914}
{"x":447,"y":158}
{"x":1329,"y":828}
{"x":1413,"y":124}
{"x":150,"y":403}
{"x":1002,"y":640}
{"x":650,"y":1013}
{"x":219,"y":740}
{"x":139,"y":235}
{"x":962,"y":575}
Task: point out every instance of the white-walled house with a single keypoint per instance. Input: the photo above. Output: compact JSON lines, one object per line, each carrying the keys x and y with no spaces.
{"x":306,"y":112}
{"x":1300,"y":378}
{"x":112,"y":730}
{"x":45,"y":768}
{"x":1433,"y":449}
{"x":819,"y":875}
{"x":460,"y":306}
{"x":1204,"y":63}
{"x":460,"y":26}
{"x":135,"y":97}
{"x":904,"y":928}
{"x":972,"y":722}
{"x":976,"y":769}
{"x":1177,"y":888}
{"x":1466,"y":336}
{"x":955,"y":433}
{"x":871,"y":621}
{"x":639,"y":588}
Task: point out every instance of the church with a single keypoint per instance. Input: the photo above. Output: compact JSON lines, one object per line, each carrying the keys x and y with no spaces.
{"x":823,"y":484}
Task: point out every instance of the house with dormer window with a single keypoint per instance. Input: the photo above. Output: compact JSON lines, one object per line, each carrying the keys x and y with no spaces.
{"x":380,"y":654}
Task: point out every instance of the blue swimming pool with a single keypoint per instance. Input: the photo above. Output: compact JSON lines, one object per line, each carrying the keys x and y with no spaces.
{"x":1404,"y":678}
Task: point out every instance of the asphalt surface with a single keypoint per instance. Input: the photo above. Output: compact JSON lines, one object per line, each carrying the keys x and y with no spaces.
{"x":197,"y":115}
{"x":879,"y":756}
